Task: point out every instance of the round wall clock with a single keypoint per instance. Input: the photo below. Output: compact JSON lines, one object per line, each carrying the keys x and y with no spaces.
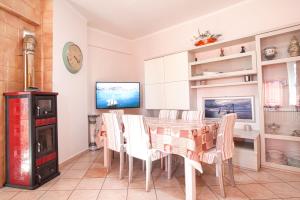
{"x":72,"y":57}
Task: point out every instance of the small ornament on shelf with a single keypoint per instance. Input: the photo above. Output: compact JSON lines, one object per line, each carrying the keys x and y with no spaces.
{"x":270,"y":52}
{"x":205,"y":38}
{"x":222,"y":52}
{"x":243,"y":50}
{"x":294,"y":47}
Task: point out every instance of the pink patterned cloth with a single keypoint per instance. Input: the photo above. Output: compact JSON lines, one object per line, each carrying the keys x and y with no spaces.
{"x":186,"y":138}
{"x":273,"y":91}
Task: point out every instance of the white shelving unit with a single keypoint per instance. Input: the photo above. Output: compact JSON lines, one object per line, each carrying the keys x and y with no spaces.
{"x":247,"y":149}
{"x":225,"y":84}
{"x":281,"y":60}
{"x":283,"y":142}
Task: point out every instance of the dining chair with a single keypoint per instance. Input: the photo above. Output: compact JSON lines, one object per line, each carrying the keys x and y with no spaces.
{"x":138,"y":145}
{"x":223,"y":151}
{"x":191,"y":115}
{"x":115,"y":139}
{"x":168,"y":114}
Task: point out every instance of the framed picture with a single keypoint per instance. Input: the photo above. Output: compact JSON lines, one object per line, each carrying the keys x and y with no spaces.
{"x":216,"y":107}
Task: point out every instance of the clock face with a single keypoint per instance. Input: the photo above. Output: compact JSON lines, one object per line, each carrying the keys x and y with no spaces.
{"x":72,"y":57}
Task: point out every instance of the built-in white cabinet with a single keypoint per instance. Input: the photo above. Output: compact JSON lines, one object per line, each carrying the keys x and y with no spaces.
{"x":176,"y":67}
{"x":154,"y":96}
{"x":177,"y":95}
{"x":166,"y":82}
{"x":154,"y":71}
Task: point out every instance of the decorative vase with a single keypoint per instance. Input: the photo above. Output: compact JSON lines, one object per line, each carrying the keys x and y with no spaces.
{"x":294,"y":47}
{"x":270,"y":52}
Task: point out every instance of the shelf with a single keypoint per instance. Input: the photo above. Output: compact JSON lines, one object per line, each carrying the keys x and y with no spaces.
{"x":217,"y":59}
{"x":225,"y":84}
{"x":282,"y":137}
{"x":281,"y":60}
{"x":240,"y":133}
{"x":223,"y":75}
{"x":222,"y":43}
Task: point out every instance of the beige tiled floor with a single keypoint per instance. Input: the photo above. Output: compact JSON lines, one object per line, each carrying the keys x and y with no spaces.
{"x":86,"y":179}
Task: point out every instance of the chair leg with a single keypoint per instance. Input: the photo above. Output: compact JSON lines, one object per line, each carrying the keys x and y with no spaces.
{"x":105,"y":153}
{"x":121,"y":163}
{"x":143,"y":165}
{"x":161,"y":163}
{"x":230,"y":170}
{"x":221,"y":181}
{"x":169,"y":166}
{"x":108,"y":159}
{"x":148,"y":173}
{"x":166,"y":164}
{"x":130,"y":170}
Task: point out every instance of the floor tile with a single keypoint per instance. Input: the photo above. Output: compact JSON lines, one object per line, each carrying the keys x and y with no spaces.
{"x":212,"y":179}
{"x":29,"y":195}
{"x":138,"y":194}
{"x":204,"y":193}
{"x":65,"y":184}
{"x":164,"y":182}
{"x":256,"y":191}
{"x":170,"y":194}
{"x":72,"y":173}
{"x":241,"y":178}
{"x":7,"y":195}
{"x":57,"y":195}
{"x":11,"y":189}
{"x":90,"y":183}
{"x":84,"y":194}
{"x":140,"y":183}
{"x":113,"y":194}
{"x":232,"y":193}
{"x":81,"y":165}
{"x":96,"y":173}
{"x":283,"y":190}
{"x":115,"y":183}
{"x":263,"y":177}
{"x":286,"y":176}
{"x":295,"y":185}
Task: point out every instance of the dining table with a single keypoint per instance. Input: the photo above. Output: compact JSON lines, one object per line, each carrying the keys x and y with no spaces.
{"x":186,"y":138}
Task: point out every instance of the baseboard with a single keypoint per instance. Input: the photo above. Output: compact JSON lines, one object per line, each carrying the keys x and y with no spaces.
{"x":72,"y":158}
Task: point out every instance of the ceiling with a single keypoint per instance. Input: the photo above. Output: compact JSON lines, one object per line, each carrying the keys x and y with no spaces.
{"x":133,"y":19}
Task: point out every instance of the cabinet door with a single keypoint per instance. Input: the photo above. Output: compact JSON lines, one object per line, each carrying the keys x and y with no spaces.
{"x":176,"y":67}
{"x":154,"y":96}
{"x":154,"y":71}
{"x":177,"y":95}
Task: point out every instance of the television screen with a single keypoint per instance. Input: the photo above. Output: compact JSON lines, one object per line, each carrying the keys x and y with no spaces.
{"x":115,"y":95}
{"x":217,"y":107}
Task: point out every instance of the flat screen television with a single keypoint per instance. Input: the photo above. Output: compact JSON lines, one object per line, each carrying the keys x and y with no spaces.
{"x":116,"y":95}
{"x":217,"y":107}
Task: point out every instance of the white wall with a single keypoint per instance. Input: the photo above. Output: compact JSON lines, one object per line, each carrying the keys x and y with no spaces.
{"x":69,"y":25}
{"x":245,"y":18}
{"x":110,"y":59}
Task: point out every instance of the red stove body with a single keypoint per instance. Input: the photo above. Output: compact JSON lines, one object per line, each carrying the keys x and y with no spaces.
{"x":31,"y":138}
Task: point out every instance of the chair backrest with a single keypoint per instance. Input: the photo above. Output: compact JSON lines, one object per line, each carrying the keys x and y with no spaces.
{"x":225,"y":143}
{"x":138,"y":142}
{"x":119,"y":113}
{"x":191,"y":115}
{"x":168,"y":114}
{"x":113,"y":131}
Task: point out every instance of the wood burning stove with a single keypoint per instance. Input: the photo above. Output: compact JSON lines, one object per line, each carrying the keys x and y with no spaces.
{"x":31,"y":138}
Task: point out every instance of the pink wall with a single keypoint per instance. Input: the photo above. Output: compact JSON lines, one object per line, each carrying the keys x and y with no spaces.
{"x":69,"y":25}
{"x":110,"y":59}
{"x":245,"y":18}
